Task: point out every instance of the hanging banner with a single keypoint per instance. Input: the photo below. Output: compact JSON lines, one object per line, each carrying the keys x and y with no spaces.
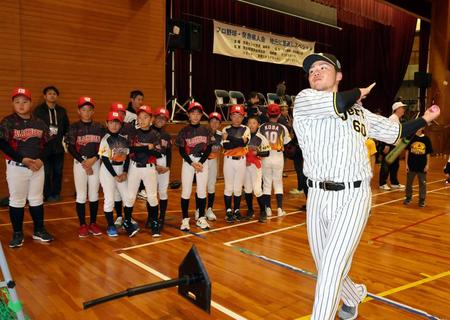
{"x":240,"y":42}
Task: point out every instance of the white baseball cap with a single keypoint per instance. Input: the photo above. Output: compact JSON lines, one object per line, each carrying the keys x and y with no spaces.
{"x":397,"y":105}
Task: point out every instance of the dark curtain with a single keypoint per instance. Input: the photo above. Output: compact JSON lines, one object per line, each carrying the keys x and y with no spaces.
{"x":368,"y":51}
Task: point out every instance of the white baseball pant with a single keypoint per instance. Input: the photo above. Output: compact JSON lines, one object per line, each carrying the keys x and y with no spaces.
{"x":86,"y":186}
{"x":253,"y":179}
{"x":163,"y":179}
{"x":336,"y":221}
{"x":148,"y":176}
{"x":187,"y":178}
{"x":212,"y":175}
{"x":234,"y":175}
{"x":24,"y":184}
{"x":272,"y":169}
{"x":110,"y":186}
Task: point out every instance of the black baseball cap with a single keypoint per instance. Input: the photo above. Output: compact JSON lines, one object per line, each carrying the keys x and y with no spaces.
{"x":313,"y":57}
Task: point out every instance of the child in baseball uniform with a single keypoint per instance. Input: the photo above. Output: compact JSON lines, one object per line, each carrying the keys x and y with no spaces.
{"x":258,"y":147}
{"x":24,"y":137}
{"x":83,"y":142}
{"x":161,"y":116}
{"x":194,"y":143}
{"x":215,"y":119}
{"x":235,"y":138}
{"x":114,"y":152}
{"x":143,"y":147}
{"x":278,"y":136}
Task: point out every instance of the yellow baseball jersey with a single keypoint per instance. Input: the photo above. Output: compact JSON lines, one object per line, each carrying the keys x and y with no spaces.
{"x":277,"y":135}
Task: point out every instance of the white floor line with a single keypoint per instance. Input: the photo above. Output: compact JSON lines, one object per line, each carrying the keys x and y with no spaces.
{"x":202,"y":232}
{"x":162,"y":276}
{"x":229,"y":243}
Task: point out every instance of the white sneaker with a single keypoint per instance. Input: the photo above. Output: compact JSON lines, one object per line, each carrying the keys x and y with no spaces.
{"x":210,"y":215}
{"x":385,"y":187}
{"x":196,"y":214}
{"x":296,"y":191}
{"x":350,"y":313}
{"x":185,"y":224}
{"x":281,"y":212}
{"x":118,"y":223}
{"x":142,"y":195}
{"x":397,"y":186}
{"x":268,"y":212}
{"x":202,"y":223}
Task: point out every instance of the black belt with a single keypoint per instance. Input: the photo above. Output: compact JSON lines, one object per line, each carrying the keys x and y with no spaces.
{"x":18,"y":164}
{"x":115,"y":163}
{"x":333,"y":186}
{"x":235,"y":158}
{"x":142,"y":165}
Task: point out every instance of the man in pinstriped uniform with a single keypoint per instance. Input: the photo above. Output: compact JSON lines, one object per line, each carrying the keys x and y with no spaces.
{"x":331,"y":128}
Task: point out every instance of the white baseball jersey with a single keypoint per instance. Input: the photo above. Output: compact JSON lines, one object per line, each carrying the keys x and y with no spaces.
{"x":333,"y":144}
{"x":334,"y":149}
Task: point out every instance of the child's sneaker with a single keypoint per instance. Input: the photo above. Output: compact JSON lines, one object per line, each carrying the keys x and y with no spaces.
{"x":130,"y":228}
{"x":94,"y":229}
{"x":111,"y":231}
{"x":118,"y":223}
{"x":229,"y":216}
{"x":210,"y":215}
{"x":202,"y":223}
{"x":385,"y":187}
{"x":17,"y":240}
{"x":422,"y":203}
{"x":237,"y":215}
{"x":268,"y":212}
{"x":42,"y":235}
{"x":196,"y":214}
{"x":185,"y":224}
{"x":83,"y":231}
{"x":407,"y":201}
{"x":135,"y":224}
{"x":281,"y":212}
{"x":155,"y":229}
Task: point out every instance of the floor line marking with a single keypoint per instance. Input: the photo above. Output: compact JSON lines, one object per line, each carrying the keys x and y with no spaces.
{"x":415,"y":195}
{"x":162,"y":276}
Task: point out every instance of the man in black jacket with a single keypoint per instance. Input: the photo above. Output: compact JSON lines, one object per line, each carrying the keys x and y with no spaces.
{"x":55,"y":117}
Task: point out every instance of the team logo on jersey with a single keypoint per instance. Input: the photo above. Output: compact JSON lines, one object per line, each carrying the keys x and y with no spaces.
{"x":89,"y":138}
{"x":25,"y":134}
{"x":192,"y":142}
{"x":418,"y":148}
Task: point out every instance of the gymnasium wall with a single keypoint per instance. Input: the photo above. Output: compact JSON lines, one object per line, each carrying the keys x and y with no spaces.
{"x":103,"y":49}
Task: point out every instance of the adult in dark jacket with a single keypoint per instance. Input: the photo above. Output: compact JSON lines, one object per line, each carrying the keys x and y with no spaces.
{"x":55,"y":117}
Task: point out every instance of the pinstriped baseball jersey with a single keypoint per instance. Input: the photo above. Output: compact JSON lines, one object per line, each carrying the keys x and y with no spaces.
{"x":277,"y":135}
{"x":333,"y":143}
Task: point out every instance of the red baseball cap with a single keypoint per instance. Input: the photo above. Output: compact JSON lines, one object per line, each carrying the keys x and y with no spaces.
{"x":273,"y":109}
{"x":146,"y":109}
{"x":161,"y":111}
{"x":195,"y":105}
{"x":82,"y":101}
{"x":237,"y":108}
{"x":114,"y":115}
{"x":117,"y":106}
{"x":21,"y":92}
{"x":216,"y":115}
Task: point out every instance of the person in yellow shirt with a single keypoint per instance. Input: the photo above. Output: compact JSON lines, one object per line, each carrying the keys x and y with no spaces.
{"x":371,"y":151}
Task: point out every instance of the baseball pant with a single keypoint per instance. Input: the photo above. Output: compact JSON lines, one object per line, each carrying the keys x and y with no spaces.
{"x":336,"y":221}
{"x":272,"y":168}
{"x":163,"y":179}
{"x":234,"y":175}
{"x":24,"y":184}
{"x":147,"y":175}
{"x":187,"y":178}
{"x":253,"y":178}
{"x":86,"y":185}
{"x":212,"y":175}
{"x":110,"y":186}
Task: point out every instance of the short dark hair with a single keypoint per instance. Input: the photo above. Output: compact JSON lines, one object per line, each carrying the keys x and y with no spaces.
{"x":254,"y":117}
{"x":48,"y":88}
{"x":253,"y":94}
{"x":135,"y":93}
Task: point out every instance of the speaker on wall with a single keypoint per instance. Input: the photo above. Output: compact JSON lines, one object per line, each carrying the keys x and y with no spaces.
{"x":422,"y":79}
{"x":195,"y":37}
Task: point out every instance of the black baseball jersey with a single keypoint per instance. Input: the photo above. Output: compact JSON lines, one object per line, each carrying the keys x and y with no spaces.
{"x":165,"y":140}
{"x":127,"y":130}
{"x":276,"y":133}
{"x":84,"y":139}
{"x":195,"y":139}
{"x":142,"y":138}
{"x":26,"y":136}
{"x":216,"y":144}
{"x":236,"y":134}
{"x":114,"y":147}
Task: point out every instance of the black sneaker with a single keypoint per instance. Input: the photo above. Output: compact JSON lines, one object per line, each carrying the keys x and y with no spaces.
{"x":262,"y":217}
{"x":237,"y":215}
{"x":407,"y":201}
{"x":130,"y":228}
{"x":250,"y":214}
{"x":421,"y":204}
{"x":155,"y":230}
{"x":17,"y":240}
{"x":229,"y":216}
{"x":42,"y":235}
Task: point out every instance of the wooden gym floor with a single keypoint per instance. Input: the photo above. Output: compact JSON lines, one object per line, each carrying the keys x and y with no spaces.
{"x":404,"y":255}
